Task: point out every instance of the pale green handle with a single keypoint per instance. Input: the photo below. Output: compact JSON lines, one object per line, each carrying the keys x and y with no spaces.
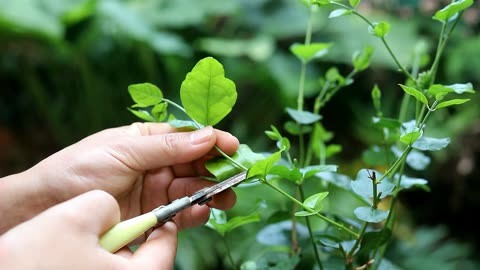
{"x":125,"y":232}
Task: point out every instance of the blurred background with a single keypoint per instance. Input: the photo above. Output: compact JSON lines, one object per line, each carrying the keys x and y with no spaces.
{"x":65,"y":66}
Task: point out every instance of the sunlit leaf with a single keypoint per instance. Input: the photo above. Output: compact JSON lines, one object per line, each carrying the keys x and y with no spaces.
{"x":303,"y":117}
{"x":379,"y":29}
{"x":143,"y":114}
{"x":222,"y":168}
{"x":369,"y":214}
{"x":361,"y":59}
{"x":206,"y":94}
{"x":415,"y":93}
{"x":451,"y":10}
{"x":451,"y":103}
{"x":145,"y":94}
{"x":311,"y":51}
{"x":310,"y":171}
{"x":410,"y":132}
{"x":313,"y":202}
{"x":431,"y":144}
{"x":354,"y":3}
{"x":184,"y":124}
{"x":262,"y":167}
{"x":339,"y":12}
{"x":159,"y":111}
{"x":440,"y":90}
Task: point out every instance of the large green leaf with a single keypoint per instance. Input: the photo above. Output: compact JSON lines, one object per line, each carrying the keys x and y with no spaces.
{"x":206,"y":94}
{"x":222,"y":168}
{"x":451,"y":10}
{"x":369,"y":214}
{"x":458,"y":88}
{"x":145,"y":94}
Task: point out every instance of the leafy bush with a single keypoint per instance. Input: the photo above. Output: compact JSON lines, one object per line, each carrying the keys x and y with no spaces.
{"x":326,"y":219}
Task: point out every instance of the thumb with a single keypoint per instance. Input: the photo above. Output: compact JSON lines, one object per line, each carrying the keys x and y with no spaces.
{"x":92,"y":212}
{"x":159,"y":251}
{"x":154,"y":151}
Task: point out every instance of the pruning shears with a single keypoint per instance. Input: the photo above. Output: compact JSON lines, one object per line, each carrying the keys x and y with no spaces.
{"x":126,"y":231}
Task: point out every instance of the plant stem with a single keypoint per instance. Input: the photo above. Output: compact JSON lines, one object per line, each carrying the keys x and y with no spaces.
{"x":229,"y":253}
{"x":442,"y":41}
{"x":332,"y":222}
{"x":359,"y":239}
{"x":381,"y":38}
{"x":310,"y":231}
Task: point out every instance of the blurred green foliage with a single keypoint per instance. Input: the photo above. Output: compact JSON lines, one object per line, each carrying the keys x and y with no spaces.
{"x":65,"y":67}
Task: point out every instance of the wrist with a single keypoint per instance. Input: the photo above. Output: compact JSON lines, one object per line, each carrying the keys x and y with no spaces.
{"x":22,"y":197}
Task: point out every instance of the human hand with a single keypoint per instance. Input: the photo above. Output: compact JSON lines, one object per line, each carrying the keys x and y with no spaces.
{"x":66,"y":237}
{"x":143,"y":166}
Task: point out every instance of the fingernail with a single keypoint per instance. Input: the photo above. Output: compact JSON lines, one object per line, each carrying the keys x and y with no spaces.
{"x":202,"y":135}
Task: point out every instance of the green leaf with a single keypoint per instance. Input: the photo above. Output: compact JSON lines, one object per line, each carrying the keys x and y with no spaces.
{"x":361,"y":59}
{"x":274,"y":134}
{"x":414,"y":92}
{"x":295,"y":129}
{"x":451,"y":102}
{"x":176,"y":123}
{"x":292,"y":174}
{"x":262,"y":168}
{"x":142,"y":114}
{"x":313,"y":201}
{"x":310,"y":171}
{"x":145,"y":94}
{"x":219,"y":223}
{"x":376,"y":98}
{"x":384,"y":122}
{"x":431,"y":144}
{"x":309,"y":52}
{"x":363,"y":185}
{"x":374,"y":240}
{"x":377,"y":156}
{"x":369,"y":214}
{"x":451,"y":10}
{"x":321,"y":2}
{"x":440,"y":90}
{"x":222,"y":168}
{"x":303,"y":117}
{"x":410,"y":132}
{"x":409,"y":182}
{"x":206,"y":94}
{"x":380,"y":29}
{"x":339,"y":12}
{"x":354,"y":3}
{"x":159,"y":111}
{"x":415,"y":159}
{"x":333,"y":75}
{"x":411,"y":137}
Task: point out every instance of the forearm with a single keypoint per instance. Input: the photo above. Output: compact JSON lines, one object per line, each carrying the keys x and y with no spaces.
{"x":21,"y":198}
